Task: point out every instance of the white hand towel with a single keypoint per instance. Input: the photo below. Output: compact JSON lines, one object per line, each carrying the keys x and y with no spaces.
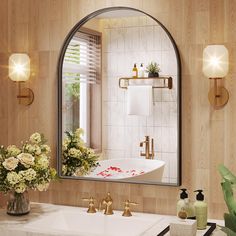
{"x":139,"y":100}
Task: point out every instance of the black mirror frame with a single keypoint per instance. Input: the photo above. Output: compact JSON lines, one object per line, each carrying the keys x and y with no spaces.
{"x":179,"y":97}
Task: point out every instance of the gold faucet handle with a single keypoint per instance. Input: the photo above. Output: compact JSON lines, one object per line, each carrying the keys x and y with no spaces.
{"x":91,"y":207}
{"x":131,"y":203}
{"x":127,"y":212}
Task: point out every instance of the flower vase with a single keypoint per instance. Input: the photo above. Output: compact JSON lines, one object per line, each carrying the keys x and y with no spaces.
{"x":18,"y":203}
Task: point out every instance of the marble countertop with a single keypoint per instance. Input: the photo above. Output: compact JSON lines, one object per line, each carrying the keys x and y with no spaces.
{"x":49,"y":219}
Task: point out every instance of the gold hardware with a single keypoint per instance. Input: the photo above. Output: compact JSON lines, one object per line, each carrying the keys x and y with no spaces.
{"x":91,"y":208}
{"x":108,"y":204}
{"x":25,"y":95}
{"x":147,"y":153}
{"x":167,"y":82}
{"x":127,"y":212}
{"x":218,"y":96}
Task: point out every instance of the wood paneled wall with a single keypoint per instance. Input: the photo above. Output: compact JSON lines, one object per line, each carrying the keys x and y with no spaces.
{"x":39,"y":27}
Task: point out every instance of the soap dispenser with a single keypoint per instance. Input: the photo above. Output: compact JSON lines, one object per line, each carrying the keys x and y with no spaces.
{"x":181,"y":202}
{"x":200,"y":210}
{"x":184,"y":204}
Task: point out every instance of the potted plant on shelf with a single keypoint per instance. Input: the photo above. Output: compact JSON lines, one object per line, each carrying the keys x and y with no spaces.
{"x":77,"y":159}
{"x":153,"y":70}
{"x":227,"y":184}
{"x":24,"y":168}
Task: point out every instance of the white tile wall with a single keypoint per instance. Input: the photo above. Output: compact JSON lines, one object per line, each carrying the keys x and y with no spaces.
{"x":138,"y":40}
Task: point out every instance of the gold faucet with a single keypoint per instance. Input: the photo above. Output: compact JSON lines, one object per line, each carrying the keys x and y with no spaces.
{"x":108,"y":205}
{"x":91,"y":208}
{"x":147,"y":153}
{"x":127,"y":212}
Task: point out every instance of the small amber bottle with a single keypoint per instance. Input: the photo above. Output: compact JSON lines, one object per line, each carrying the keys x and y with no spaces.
{"x":135,"y":71}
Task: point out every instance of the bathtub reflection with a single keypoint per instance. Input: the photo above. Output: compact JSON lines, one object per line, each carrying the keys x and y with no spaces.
{"x":129,"y":169}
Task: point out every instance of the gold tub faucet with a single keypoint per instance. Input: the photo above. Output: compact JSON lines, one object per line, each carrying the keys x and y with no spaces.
{"x":147,"y":153}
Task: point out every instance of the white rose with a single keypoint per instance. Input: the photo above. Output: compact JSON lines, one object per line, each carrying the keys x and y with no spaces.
{"x":42,"y":187}
{"x":35,"y":138}
{"x":26,"y":159}
{"x":13,"y":178}
{"x":20,"y":188}
{"x":10,"y":163}
{"x":12,"y":150}
{"x":28,"y":175}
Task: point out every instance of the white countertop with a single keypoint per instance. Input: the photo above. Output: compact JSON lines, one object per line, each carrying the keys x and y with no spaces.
{"x":49,"y":219}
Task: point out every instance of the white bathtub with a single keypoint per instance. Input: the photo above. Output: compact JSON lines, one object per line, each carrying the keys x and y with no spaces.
{"x":129,"y":169}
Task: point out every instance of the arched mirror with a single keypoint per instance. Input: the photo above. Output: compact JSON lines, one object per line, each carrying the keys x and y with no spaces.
{"x":119,"y":110}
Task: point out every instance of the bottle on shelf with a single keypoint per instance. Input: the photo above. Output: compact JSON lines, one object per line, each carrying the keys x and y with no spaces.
{"x":200,"y":210}
{"x":135,"y":71}
{"x":141,"y":71}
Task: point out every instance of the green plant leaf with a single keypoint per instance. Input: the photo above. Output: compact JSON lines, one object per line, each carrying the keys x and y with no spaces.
{"x":228,"y":231}
{"x":227,"y":186}
{"x":230,"y":221}
{"x":226,"y":174}
{"x":229,"y":196}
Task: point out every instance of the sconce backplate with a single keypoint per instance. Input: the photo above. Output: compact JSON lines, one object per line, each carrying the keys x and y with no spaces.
{"x":26,"y":96}
{"x":218,"y":101}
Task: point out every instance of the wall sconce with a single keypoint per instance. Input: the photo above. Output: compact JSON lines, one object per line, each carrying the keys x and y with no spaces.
{"x":19,"y":71}
{"x":215,"y":67}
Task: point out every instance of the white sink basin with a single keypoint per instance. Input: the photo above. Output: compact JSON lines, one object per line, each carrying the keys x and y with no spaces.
{"x":76,"y":221}
{"x":54,"y":220}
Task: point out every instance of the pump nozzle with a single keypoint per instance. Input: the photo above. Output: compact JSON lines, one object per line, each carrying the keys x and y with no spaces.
{"x":199,"y":196}
{"x":184,"y":194}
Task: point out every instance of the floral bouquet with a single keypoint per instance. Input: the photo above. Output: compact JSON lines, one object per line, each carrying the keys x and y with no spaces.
{"x":26,"y":167}
{"x":77,"y":159}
